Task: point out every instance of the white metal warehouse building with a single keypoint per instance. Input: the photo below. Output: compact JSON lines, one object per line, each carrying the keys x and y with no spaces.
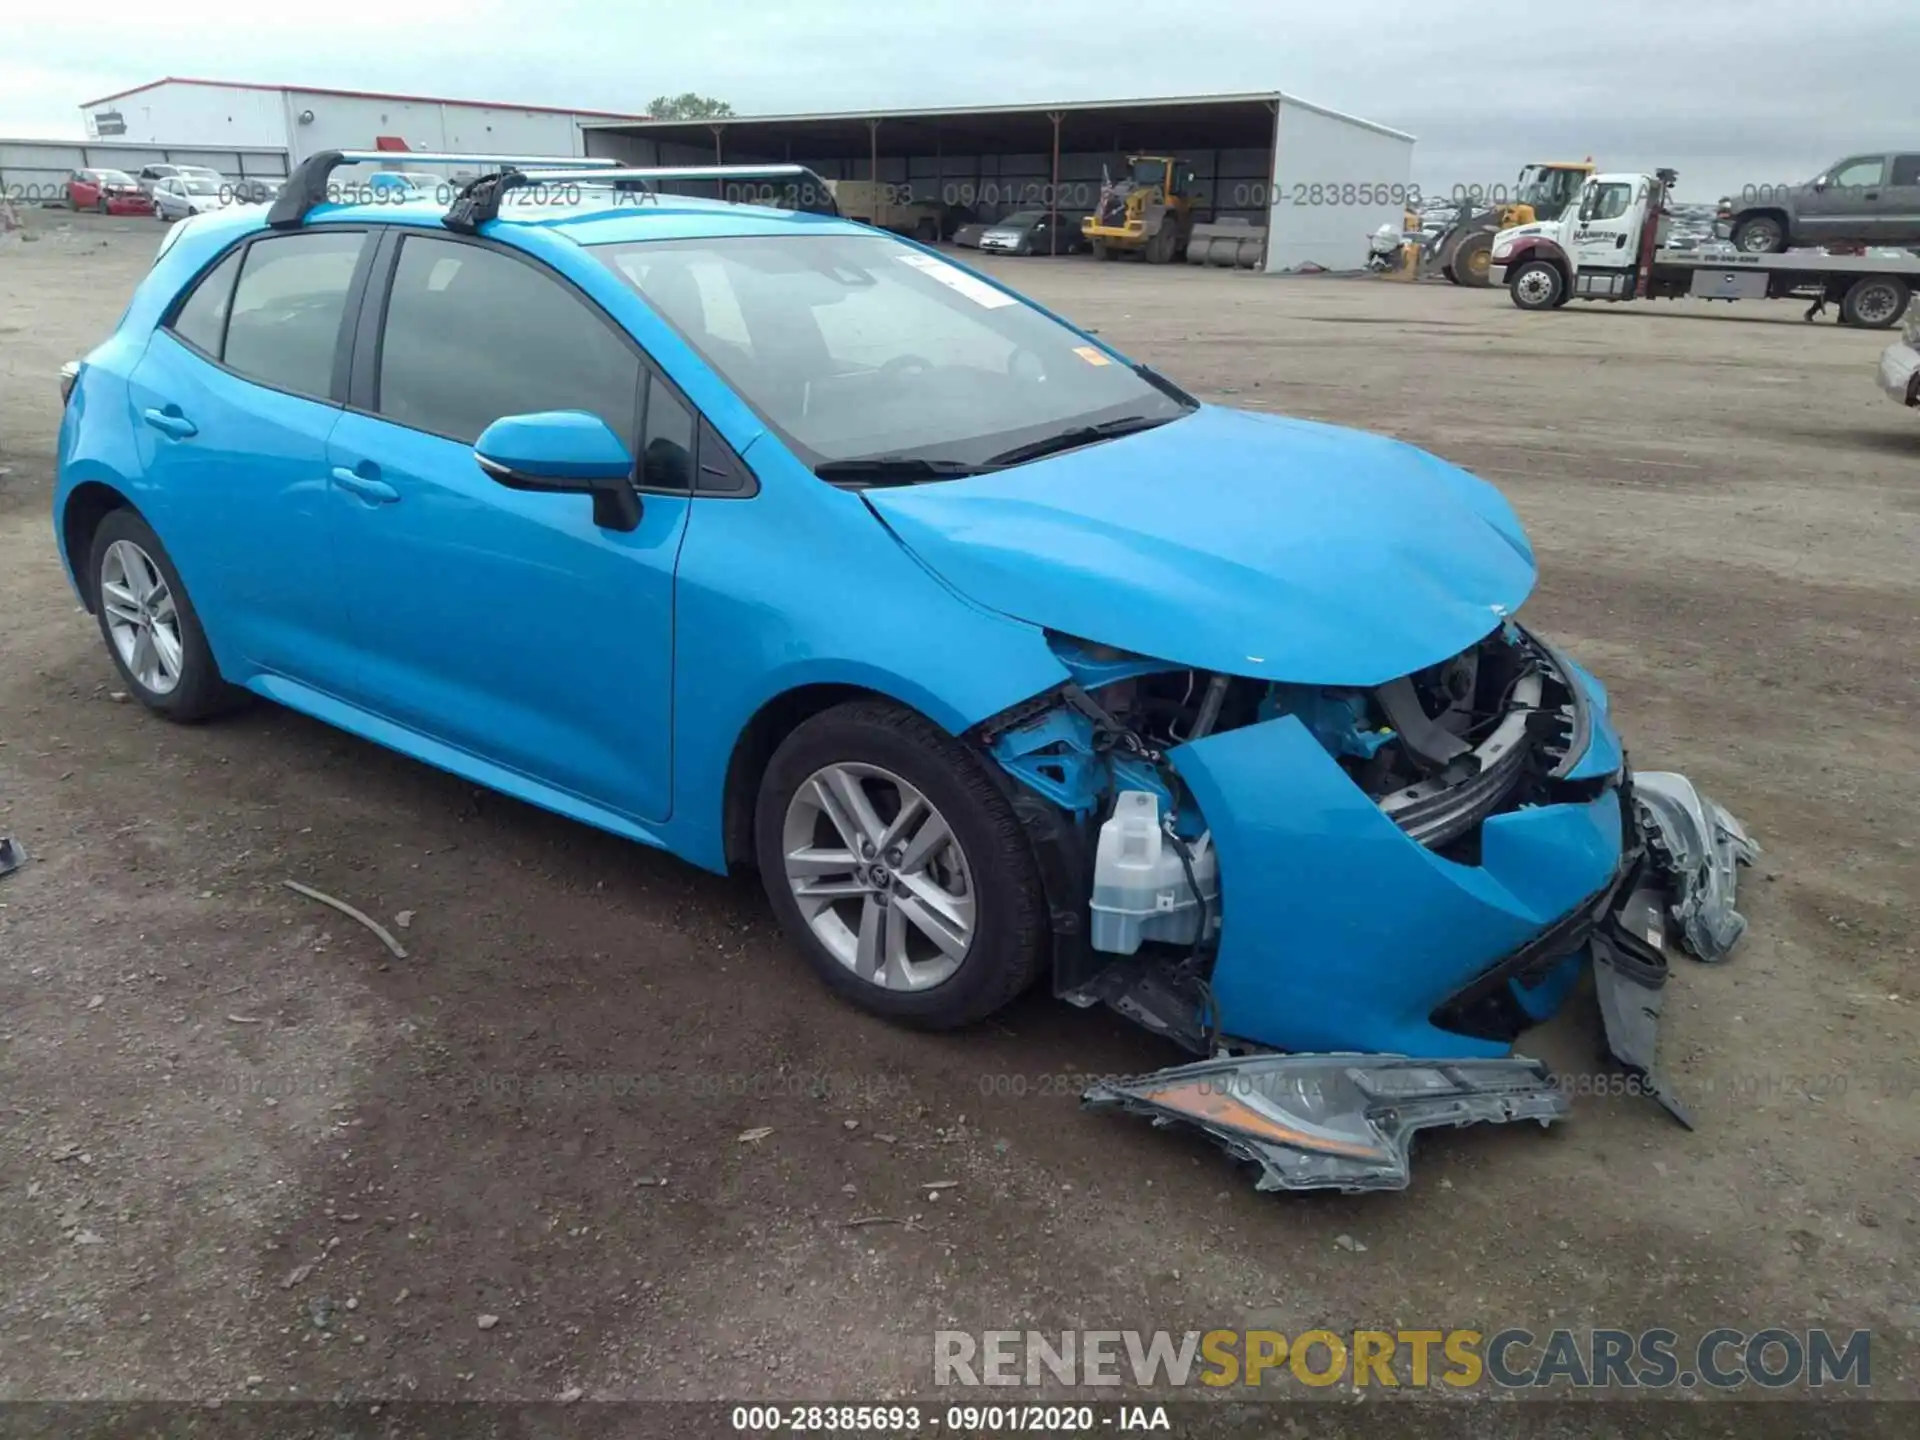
{"x":232,"y":115}
{"x":1322,"y":181}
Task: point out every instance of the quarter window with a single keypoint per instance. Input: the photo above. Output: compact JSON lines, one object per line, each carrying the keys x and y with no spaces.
{"x":666,"y":457}
{"x":286,"y":313}
{"x":202,"y":321}
{"x":471,"y":335}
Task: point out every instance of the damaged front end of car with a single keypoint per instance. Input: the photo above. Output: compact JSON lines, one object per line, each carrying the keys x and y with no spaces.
{"x":1350,"y":900}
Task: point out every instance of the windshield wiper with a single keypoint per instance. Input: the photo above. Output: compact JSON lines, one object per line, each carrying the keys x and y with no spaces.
{"x":896,"y":469}
{"x":1074,"y":438}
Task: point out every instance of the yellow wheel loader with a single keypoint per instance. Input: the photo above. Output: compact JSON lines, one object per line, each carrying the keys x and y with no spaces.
{"x":1544,"y":190}
{"x":1148,"y":212}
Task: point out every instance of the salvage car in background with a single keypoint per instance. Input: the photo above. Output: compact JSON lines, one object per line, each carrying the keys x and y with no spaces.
{"x":111,"y":192}
{"x":178,"y":196}
{"x":1900,"y":365}
{"x":1036,"y":232}
{"x":997,"y":654}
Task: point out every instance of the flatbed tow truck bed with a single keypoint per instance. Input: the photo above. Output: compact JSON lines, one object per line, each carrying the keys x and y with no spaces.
{"x":1603,"y":252}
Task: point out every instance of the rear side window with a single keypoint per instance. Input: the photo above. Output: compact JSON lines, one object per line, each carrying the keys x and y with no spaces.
{"x":1906,"y":170}
{"x":285,"y":319}
{"x":202,"y":321}
{"x":471,"y":335}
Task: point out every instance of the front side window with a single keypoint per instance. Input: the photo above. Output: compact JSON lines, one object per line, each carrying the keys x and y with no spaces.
{"x":1606,"y":202}
{"x":1858,"y":173}
{"x":287,"y":307}
{"x":857,"y":347}
{"x":472,"y":334}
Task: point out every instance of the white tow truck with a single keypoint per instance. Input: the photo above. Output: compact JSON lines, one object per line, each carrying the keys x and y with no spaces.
{"x":1608,"y":247}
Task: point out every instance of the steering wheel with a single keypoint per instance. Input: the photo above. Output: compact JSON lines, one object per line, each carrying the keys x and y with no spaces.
{"x":900,"y":367}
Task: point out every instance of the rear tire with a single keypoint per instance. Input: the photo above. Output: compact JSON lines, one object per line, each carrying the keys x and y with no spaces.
{"x":173,"y":673}
{"x":989,"y":858}
{"x":1875,"y":302}
{"x":1537,"y":285}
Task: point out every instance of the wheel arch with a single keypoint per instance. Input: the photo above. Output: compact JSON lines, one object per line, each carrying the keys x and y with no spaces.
{"x":1536,"y":248}
{"x":90,"y":502}
{"x":1763,"y":212}
{"x":777,"y":718}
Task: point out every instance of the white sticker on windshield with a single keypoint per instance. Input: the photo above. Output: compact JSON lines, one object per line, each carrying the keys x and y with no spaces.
{"x":978,"y":291}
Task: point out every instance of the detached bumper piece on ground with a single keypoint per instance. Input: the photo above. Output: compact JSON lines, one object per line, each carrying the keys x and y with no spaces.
{"x":1347,"y":1121}
{"x":1341,"y":1122}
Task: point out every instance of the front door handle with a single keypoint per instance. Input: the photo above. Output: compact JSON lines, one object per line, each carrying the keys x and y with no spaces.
{"x":170,"y":421}
{"x":1620,"y":240}
{"x":368,"y":487}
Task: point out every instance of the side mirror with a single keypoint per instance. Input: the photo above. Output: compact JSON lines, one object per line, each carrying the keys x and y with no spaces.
{"x":563,"y":452}
{"x":1820,"y":182}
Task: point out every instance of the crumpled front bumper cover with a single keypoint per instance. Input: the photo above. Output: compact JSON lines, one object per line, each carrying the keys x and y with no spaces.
{"x":1339,"y":1122}
{"x":1346,"y":1121}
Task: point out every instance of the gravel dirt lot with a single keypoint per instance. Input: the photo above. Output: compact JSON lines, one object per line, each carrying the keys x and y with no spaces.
{"x":247,"y":1151}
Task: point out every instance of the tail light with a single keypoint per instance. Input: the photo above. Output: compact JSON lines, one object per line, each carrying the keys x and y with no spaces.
{"x":69,"y":373}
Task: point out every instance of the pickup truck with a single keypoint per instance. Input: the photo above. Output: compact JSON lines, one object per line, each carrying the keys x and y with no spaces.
{"x":1861,"y":200}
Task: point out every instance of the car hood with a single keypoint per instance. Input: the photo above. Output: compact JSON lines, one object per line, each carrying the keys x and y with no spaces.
{"x":1250,"y":544}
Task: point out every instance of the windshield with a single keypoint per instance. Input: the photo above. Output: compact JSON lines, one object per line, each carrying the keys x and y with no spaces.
{"x":1548,"y":191}
{"x":114,"y":177}
{"x":1149,"y":172}
{"x":855,"y":347}
{"x":1020,"y":219}
{"x":194,"y":185}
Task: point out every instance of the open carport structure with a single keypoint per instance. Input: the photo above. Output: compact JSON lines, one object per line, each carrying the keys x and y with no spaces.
{"x":1319,"y":179}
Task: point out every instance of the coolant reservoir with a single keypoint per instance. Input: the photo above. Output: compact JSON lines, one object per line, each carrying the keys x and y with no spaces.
{"x":1140,"y":889}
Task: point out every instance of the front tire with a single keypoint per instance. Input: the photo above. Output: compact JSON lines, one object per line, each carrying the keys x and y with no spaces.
{"x":1760,"y":235}
{"x":152,"y":631}
{"x":1473,"y":262}
{"x":1537,"y":285}
{"x":898,"y":867}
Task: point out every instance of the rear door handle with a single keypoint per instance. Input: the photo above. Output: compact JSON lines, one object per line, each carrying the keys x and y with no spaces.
{"x":367,"y":487}
{"x":170,"y":422}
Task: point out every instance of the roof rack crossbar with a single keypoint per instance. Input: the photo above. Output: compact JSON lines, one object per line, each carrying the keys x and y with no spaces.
{"x":480,"y":200}
{"x":307,"y":186}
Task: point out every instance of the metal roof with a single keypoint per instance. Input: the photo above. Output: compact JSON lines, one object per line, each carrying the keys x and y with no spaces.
{"x":612,"y":115}
{"x":1170,"y":122}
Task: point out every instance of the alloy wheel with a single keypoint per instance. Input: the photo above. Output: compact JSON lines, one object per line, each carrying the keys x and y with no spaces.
{"x":142,"y":618}
{"x":879,"y":876}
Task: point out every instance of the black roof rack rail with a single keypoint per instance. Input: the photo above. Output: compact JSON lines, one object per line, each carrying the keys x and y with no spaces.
{"x":480,"y":200}
{"x":308,"y":185}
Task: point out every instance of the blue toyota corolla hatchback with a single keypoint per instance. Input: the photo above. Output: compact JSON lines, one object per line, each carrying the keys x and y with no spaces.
{"x":777,"y":541}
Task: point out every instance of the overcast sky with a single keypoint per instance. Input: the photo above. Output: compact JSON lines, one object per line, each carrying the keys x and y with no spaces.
{"x":1729,"y":92}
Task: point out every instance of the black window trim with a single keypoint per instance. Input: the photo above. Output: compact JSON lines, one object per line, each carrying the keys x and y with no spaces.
{"x":362,"y":385}
{"x":343,"y":340}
